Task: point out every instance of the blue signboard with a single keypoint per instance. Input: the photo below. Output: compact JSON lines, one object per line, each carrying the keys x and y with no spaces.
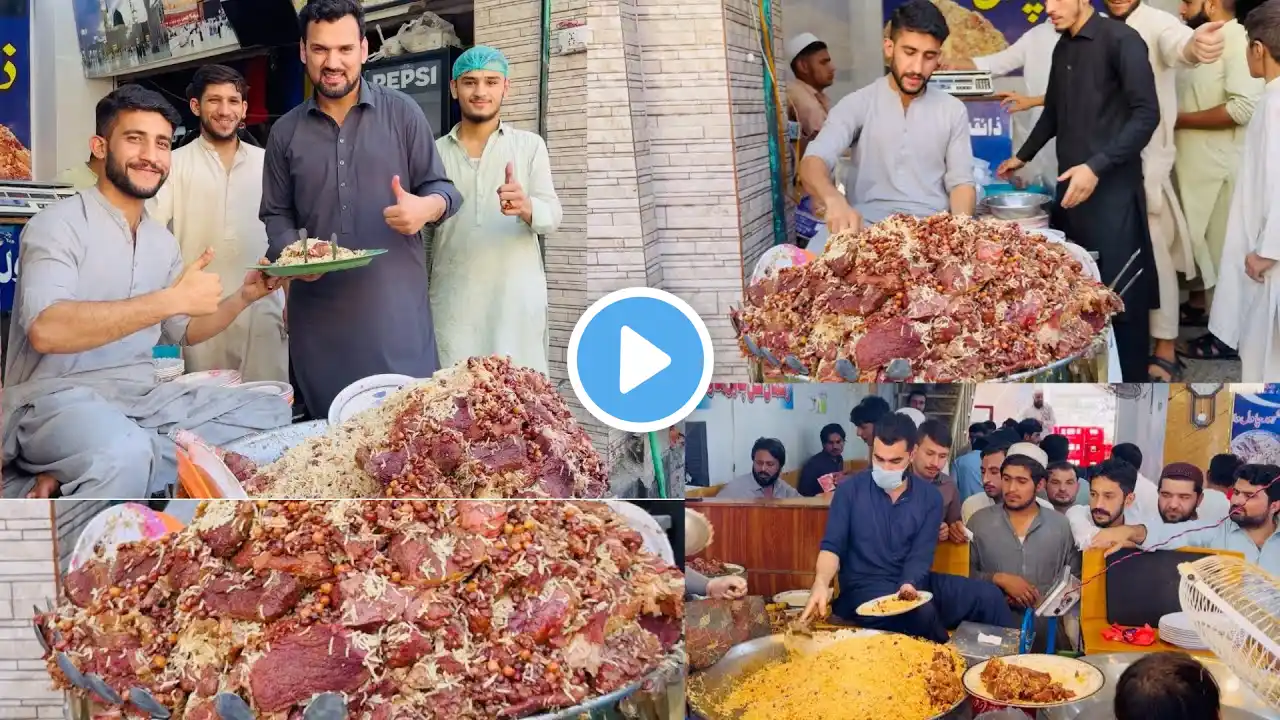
{"x":15,"y":89}
{"x":1255,"y":428}
{"x":8,"y":265}
{"x":990,"y":131}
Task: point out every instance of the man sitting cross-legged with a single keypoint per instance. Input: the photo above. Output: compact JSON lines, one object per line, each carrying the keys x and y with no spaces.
{"x":101,"y":285}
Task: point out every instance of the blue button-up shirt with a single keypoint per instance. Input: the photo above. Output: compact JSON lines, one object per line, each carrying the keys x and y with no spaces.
{"x":1227,"y":536}
{"x":882,"y":544}
{"x":967,"y":471}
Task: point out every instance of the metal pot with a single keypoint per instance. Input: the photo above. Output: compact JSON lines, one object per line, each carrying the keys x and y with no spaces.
{"x":707,"y":688}
{"x":1238,"y":702}
{"x":266,"y":447}
{"x":1016,"y":205}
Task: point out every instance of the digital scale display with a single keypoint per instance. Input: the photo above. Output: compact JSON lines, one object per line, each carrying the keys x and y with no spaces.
{"x":968,"y":83}
{"x":22,"y":199}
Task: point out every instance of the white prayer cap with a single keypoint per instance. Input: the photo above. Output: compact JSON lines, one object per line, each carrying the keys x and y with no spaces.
{"x":916,"y":416}
{"x":1030,"y":450}
{"x":797,"y":44}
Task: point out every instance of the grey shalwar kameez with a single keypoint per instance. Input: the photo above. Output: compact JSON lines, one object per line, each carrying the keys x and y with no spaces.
{"x":330,"y":179}
{"x":97,"y":420}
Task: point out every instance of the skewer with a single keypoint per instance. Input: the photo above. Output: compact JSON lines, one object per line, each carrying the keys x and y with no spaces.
{"x":1116,"y":280}
{"x":1128,"y":285}
{"x":302,"y":235}
{"x":99,"y":687}
{"x":68,"y":668}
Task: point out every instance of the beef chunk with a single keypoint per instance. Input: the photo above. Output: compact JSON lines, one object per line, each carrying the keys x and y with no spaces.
{"x":80,"y":583}
{"x":367,"y":600}
{"x":895,"y":338}
{"x":256,"y":598}
{"x":319,"y":659}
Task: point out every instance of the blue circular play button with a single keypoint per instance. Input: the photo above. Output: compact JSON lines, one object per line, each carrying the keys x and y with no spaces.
{"x":640,"y":359}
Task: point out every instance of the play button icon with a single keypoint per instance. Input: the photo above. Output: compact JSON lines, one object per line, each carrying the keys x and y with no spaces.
{"x":640,"y":359}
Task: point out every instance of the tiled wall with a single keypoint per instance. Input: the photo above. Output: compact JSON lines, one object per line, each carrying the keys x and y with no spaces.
{"x":26,"y":579}
{"x":515,"y":28}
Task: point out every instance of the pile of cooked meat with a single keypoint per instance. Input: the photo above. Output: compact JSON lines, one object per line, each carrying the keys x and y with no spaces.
{"x":1013,"y":683}
{"x":484,"y":428}
{"x":939,"y":299}
{"x":411,"y":609}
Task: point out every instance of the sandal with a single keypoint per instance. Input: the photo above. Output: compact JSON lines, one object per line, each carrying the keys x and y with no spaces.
{"x":1192,"y":316}
{"x":1208,"y":347}
{"x":1173,"y":368}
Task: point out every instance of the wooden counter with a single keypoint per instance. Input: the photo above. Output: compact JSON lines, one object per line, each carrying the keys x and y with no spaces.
{"x":776,"y":540}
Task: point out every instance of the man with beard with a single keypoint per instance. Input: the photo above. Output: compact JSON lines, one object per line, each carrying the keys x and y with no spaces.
{"x":488,"y":288}
{"x":917,"y":400}
{"x":211,"y":200}
{"x":880,"y":539}
{"x":1021,"y":546}
{"x":358,"y":161}
{"x":911,"y":147}
{"x":1172,"y":47}
{"x":102,"y":284}
{"x":1110,"y":500}
{"x":1101,"y":105}
{"x":993,"y":482}
{"x":1062,"y":488}
{"x":866,"y":414}
{"x":829,"y":462}
{"x":1182,"y":496}
{"x":929,"y":462}
{"x":807,"y":102}
{"x":1252,"y":532}
{"x":1040,"y":411}
{"x":768,"y":456}
{"x":1215,"y":103}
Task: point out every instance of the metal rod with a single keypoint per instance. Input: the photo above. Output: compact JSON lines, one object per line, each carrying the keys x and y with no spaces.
{"x":1130,"y":283}
{"x":1132,"y":258}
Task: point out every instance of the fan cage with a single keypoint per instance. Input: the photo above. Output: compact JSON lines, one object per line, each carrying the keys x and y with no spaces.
{"x":1235,"y":608}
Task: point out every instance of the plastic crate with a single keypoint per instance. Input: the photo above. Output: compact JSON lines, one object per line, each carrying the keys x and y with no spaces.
{"x":1070,"y":431}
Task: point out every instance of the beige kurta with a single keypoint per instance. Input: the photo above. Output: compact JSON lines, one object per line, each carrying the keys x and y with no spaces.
{"x":1209,"y":159}
{"x":488,"y":287}
{"x":1246,"y":313}
{"x":207,"y":207}
{"x":1166,"y":37}
{"x":78,"y":176}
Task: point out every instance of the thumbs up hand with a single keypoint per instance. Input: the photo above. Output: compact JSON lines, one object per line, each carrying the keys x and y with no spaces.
{"x":197,"y":292}
{"x":409,"y":212}
{"x":1207,"y":43}
{"x":512,"y":198}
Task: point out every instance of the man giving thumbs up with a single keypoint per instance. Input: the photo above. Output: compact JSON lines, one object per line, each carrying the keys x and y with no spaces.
{"x":488,"y":290}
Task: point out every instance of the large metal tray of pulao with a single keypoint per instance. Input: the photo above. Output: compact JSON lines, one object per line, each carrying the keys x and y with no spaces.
{"x":1238,"y":702}
{"x":708,"y":688}
{"x":268,"y":446}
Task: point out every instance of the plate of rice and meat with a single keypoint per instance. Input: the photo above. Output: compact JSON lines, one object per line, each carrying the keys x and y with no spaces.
{"x":896,"y":604}
{"x":1033,"y":681}
{"x":314,"y":256}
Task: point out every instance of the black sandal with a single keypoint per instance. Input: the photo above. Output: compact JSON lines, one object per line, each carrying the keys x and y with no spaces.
{"x":1192,"y":316}
{"x":1208,"y":347}
{"x":1173,"y":368}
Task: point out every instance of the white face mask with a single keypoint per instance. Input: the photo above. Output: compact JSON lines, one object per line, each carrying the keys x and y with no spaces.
{"x":887,"y":480}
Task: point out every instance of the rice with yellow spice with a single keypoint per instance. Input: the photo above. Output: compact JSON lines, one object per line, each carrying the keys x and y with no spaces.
{"x":871,"y":677}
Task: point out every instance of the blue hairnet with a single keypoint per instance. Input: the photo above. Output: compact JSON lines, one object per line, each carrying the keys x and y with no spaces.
{"x":480,"y":57}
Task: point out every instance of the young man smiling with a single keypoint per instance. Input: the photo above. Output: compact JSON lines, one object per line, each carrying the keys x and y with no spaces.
{"x":488,"y":288}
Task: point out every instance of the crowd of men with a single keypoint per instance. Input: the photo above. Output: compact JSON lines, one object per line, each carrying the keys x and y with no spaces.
{"x":157,"y":247}
{"x":1151,"y":131}
{"x":1023,"y":508}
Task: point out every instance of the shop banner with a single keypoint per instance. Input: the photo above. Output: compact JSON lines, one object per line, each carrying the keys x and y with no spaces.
{"x":8,"y":265}
{"x":1255,"y":428}
{"x":119,"y":37}
{"x":990,"y":132}
{"x":15,"y":90}
{"x":985,"y":27}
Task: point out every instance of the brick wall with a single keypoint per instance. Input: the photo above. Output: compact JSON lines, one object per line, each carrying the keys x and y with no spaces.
{"x":26,"y":578}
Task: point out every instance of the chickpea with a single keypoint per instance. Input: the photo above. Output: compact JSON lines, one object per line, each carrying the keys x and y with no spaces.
{"x":508,"y":672}
{"x":493,"y":666}
{"x":326,"y":588}
{"x":158,"y":662}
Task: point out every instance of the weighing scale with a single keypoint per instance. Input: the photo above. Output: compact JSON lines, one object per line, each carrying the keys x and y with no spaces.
{"x":25,"y":199}
{"x":963,"y":83}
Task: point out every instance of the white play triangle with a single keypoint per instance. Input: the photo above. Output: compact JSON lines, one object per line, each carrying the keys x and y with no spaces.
{"x":639,"y":361}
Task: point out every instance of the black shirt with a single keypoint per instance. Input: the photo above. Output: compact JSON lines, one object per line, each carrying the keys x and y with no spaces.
{"x":814,"y":468}
{"x":1101,"y":101}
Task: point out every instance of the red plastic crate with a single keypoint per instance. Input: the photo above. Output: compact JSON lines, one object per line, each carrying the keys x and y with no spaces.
{"x":1070,"y":431}
{"x":1093,"y":434}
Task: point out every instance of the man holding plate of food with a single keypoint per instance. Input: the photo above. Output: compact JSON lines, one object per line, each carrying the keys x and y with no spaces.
{"x":356,"y":165}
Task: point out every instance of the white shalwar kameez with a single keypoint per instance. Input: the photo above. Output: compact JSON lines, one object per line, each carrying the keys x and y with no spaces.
{"x":488,"y":287}
{"x":1033,"y":54}
{"x":1166,"y":37}
{"x":208,"y":206}
{"x":1246,"y":313}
